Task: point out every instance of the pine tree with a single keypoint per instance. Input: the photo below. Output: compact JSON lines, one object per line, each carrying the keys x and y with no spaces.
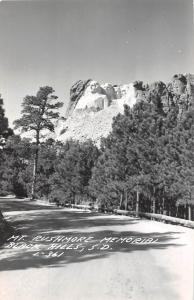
{"x":72,"y":171}
{"x":5,"y":131}
{"x":38,"y":115}
{"x":16,"y":167}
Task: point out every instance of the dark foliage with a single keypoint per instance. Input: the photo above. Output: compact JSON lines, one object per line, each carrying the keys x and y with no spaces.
{"x":149,"y":156}
{"x":38,"y":115}
{"x":146,"y":163}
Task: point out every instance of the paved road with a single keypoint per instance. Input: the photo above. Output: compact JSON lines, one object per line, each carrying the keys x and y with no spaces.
{"x":73,"y":255}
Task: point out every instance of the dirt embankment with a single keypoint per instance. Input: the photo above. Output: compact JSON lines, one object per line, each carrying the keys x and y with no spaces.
{"x":5,"y":229}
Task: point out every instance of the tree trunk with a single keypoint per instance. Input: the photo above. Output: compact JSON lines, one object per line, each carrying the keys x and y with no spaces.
{"x":185,"y":215}
{"x":126,"y":201}
{"x":154,"y":201}
{"x":189,"y":212}
{"x":121,"y":200}
{"x":137,"y":204}
{"x":163,"y":204}
{"x":154,"y":205}
{"x":35,"y":167}
{"x":177,"y":211}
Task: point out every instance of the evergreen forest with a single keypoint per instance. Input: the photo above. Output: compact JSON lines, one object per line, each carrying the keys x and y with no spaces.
{"x":146,"y":163}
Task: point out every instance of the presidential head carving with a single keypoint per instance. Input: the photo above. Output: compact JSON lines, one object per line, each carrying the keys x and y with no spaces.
{"x":109,"y":91}
{"x":179,"y":84}
{"x":117,"y":92}
{"x":94,"y":87}
{"x":124,"y":90}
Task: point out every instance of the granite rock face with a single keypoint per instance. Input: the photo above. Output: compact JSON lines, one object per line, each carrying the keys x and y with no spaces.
{"x":89,"y":124}
{"x":93,"y":105}
{"x":76,"y":93}
{"x":179,"y":84}
{"x":92,"y":108}
{"x":90,"y":94}
{"x":93,"y":97}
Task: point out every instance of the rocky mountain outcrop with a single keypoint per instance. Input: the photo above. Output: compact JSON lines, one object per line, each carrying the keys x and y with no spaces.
{"x":88,"y":124}
{"x":182,"y":88}
{"x":90,"y":94}
{"x":76,"y":92}
{"x":93,"y":106}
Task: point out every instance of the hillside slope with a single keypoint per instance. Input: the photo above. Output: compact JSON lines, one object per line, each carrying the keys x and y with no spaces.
{"x":82,"y":125}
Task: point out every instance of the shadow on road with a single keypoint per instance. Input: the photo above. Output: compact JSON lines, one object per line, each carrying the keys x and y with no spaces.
{"x":105,"y":237}
{"x":12,"y":204}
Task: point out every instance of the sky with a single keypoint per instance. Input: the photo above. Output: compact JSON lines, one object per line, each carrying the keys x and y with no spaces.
{"x":116,"y":41}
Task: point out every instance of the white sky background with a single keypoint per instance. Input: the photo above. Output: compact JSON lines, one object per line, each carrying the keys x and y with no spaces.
{"x":116,"y":41}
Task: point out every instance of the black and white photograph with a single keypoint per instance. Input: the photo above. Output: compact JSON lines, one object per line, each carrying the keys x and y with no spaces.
{"x":97,"y":150}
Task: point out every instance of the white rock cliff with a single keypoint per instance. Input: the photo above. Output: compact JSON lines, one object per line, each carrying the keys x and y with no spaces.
{"x":91,"y":116}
